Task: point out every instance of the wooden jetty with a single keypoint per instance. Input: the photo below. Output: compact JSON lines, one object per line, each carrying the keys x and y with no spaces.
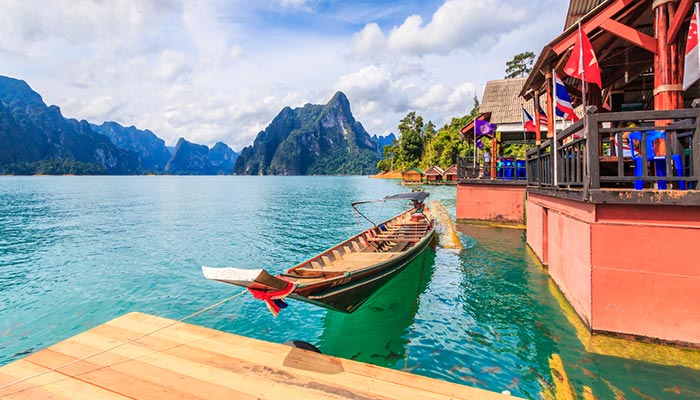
{"x":140,"y":356}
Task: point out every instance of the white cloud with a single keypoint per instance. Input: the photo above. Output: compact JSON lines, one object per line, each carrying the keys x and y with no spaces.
{"x":171,"y":66}
{"x":457,"y":24}
{"x":219,"y":70}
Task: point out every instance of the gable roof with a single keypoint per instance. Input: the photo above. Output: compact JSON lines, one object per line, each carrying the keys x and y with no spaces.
{"x":435,"y":170}
{"x":502,"y":100}
{"x":452,"y":170}
{"x":412,"y":169}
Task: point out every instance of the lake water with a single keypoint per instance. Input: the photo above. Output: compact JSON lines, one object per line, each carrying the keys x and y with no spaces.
{"x":76,"y":252}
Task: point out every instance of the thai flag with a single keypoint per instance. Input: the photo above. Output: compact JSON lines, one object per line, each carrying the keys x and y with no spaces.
{"x":528,"y":122}
{"x":543,"y":117}
{"x":562,"y":101}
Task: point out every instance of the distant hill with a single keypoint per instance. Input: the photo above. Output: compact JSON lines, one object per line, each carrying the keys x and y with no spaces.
{"x":37,"y":139}
{"x":32,"y":133}
{"x":196,"y":159}
{"x":149,"y":148}
{"x":382,"y":141}
{"x":311,"y":140}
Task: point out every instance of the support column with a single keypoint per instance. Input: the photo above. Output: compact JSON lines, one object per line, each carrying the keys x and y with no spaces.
{"x":550,"y":104}
{"x":494,"y":155}
{"x":668,"y":93}
{"x":538,"y":125}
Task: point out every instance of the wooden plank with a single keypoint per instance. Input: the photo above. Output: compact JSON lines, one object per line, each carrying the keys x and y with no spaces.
{"x":681,"y":12}
{"x":24,"y":391}
{"x":294,"y":366}
{"x":255,"y":382}
{"x":240,"y":343}
{"x":194,"y":388}
{"x":187,"y":361}
{"x":58,"y":383}
{"x":104,"y":377}
{"x":630,"y":34}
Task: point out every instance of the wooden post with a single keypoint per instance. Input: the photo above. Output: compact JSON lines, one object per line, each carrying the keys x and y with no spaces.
{"x":668,"y":94}
{"x":494,"y":153}
{"x":550,"y":105}
{"x":593,"y":161}
{"x":538,"y":125}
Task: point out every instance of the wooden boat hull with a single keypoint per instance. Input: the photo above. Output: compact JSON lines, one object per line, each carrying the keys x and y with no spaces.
{"x":343,"y":277}
{"x":348,"y":294}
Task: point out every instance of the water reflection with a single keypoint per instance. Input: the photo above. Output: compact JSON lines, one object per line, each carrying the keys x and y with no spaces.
{"x":377,"y":332}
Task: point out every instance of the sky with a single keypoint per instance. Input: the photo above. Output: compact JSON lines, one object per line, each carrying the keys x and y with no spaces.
{"x":221,"y":70}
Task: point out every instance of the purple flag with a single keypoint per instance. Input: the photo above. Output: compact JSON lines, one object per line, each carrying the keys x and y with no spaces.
{"x":482,"y":128}
{"x":479,"y":144}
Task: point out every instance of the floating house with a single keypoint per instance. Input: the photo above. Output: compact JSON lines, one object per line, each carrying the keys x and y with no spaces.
{"x":492,"y":188}
{"x":434,"y":175}
{"x":614,"y":226}
{"x":450,"y":175}
{"x":412,"y":176}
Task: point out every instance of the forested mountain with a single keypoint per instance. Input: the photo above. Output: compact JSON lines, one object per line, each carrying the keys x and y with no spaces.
{"x":149,"y":148}
{"x":32,"y":133}
{"x":311,"y":140}
{"x":196,"y":159}
{"x":37,"y":139}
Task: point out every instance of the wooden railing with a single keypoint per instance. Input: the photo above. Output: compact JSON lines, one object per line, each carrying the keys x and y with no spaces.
{"x":507,"y":170}
{"x":591,"y":154}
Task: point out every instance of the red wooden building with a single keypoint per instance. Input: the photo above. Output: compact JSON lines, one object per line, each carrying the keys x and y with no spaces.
{"x":450,"y":175}
{"x":434,"y":174}
{"x":618,"y":229}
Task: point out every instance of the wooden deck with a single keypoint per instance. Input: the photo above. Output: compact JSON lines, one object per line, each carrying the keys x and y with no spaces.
{"x":186,"y":361}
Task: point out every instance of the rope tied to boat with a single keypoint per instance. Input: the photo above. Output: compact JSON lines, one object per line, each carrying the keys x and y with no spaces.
{"x":68,"y":364}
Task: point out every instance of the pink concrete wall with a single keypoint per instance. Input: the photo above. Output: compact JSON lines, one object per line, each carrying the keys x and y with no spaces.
{"x":536,"y":234}
{"x":624,"y":268}
{"x":484,"y":202}
{"x":569,"y":245}
{"x":646,"y":272}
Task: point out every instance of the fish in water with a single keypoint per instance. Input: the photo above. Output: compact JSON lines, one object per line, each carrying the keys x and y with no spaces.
{"x":474,"y":381}
{"x":680,"y":390}
{"x":392,"y":357}
{"x":491,"y":370}
{"x":461,"y":369}
{"x":641,"y":394}
{"x":410,"y":369}
{"x":513,"y":383}
{"x":587,"y":372}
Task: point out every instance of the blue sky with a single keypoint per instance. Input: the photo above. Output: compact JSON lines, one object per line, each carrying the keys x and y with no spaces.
{"x":220,"y":70}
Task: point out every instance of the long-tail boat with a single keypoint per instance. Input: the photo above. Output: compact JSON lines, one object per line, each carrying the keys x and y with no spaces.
{"x":343,"y":277}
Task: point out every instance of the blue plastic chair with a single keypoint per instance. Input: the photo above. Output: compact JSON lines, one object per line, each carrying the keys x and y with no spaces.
{"x":659,"y":162}
{"x":520,"y":169}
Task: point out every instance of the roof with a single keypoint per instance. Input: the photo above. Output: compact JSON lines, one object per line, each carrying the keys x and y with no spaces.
{"x":452,"y":170}
{"x":579,"y":8}
{"x":502,"y":100}
{"x":626,"y":64}
{"x":435,"y":170}
{"x":412,"y":169}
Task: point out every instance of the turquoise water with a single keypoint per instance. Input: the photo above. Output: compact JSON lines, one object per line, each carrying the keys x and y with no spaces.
{"x":78,"y":251}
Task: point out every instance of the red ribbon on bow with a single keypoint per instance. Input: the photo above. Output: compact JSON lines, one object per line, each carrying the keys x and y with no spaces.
{"x":274,"y":299}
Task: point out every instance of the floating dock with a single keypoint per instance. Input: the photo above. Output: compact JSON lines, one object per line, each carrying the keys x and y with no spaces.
{"x":139,"y":356}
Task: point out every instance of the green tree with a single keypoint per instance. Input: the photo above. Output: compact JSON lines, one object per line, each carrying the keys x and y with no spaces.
{"x":520,"y":65}
{"x":411,"y":142}
{"x":475,"y":110}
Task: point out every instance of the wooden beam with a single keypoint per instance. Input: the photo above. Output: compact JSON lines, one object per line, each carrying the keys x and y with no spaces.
{"x":681,"y":12}
{"x":630,"y":34}
{"x":591,"y":24}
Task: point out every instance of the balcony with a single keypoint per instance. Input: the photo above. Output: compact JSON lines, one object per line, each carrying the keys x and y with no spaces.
{"x":589,"y":160}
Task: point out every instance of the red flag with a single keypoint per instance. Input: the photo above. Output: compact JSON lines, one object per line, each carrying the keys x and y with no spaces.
{"x":583,"y":63}
{"x":691,"y":71}
{"x":528,"y":122}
